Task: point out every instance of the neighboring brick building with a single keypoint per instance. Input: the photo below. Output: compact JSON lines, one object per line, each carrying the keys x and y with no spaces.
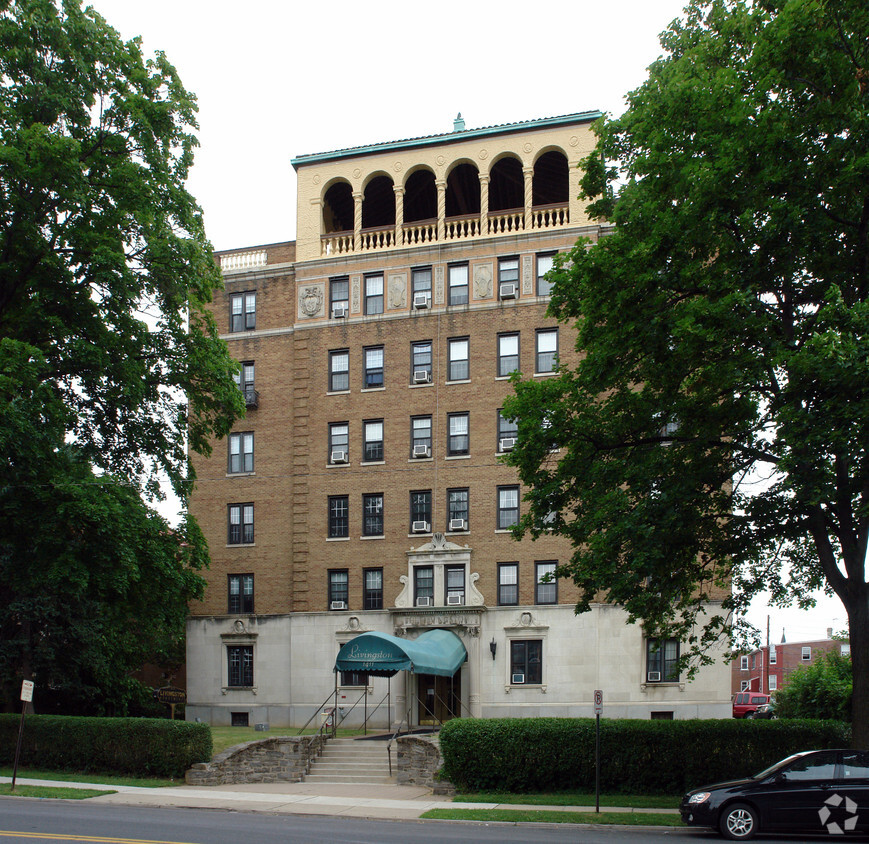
{"x":364,"y":490}
{"x":767,"y":669}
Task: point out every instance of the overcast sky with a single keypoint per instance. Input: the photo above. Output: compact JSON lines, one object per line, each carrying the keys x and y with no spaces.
{"x":276,"y":80}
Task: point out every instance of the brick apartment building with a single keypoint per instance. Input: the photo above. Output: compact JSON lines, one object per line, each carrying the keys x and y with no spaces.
{"x":364,"y":492}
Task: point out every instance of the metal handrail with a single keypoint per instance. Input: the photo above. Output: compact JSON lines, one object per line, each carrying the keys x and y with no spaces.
{"x":405,"y":717}
{"x":315,"y":715}
{"x":368,"y":716}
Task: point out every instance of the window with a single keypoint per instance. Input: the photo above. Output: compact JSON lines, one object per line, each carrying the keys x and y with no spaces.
{"x":508,"y":354}
{"x":743,"y":685}
{"x":354,"y":678}
{"x":339,"y":371}
{"x":242,"y":308}
{"x":508,"y":431}
{"x":420,"y":362}
{"x":662,"y":660}
{"x":458,"y":284}
{"x":816,"y":766}
{"x":374,"y":294}
{"x":546,"y":587}
{"x":339,"y":511}
{"x":743,"y":663}
{"x":240,"y":659}
{"x":338,"y":589}
{"x":420,"y":511}
{"x":508,"y":506}
{"x":240,"y":524}
{"x":508,"y":274}
{"x":423,"y":585}
{"x":455,"y":585}
{"x":544,"y":265}
{"x":845,"y":650}
{"x":773,"y":658}
{"x":240,"y":593}
{"x":508,"y":584}
{"x":339,"y":442}
{"x":855,"y":765}
{"x":420,"y":285}
{"x":458,"y":363}
{"x":373,"y":367}
{"x":526,"y":661}
{"x":547,"y":350}
{"x":372,"y":589}
{"x":420,"y":436}
{"x":372,"y":514}
{"x":457,"y":509}
{"x":245,"y":381}
{"x":372,"y":439}
{"x":240,"y":453}
{"x":459,"y":438}
{"x":773,"y":682}
{"x":806,"y":654}
{"x":339,"y":294}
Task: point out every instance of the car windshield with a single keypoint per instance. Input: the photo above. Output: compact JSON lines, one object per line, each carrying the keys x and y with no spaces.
{"x":777,"y":767}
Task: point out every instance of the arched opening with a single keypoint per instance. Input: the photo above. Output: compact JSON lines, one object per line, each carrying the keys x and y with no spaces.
{"x":338,"y":208}
{"x":463,"y":191}
{"x":506,"y":186}
{"x":420,"y":197}
{"x":551,"y":180}
{"x":378,"y":204}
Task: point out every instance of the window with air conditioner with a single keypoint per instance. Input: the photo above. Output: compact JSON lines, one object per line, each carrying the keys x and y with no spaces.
{"x":338,"y":589}
{"x":420,"y":436}
{"x":508,"y":277}
{"x":339,"y":296}
{"x":339,"y":441}
{"x":339,"y":311}
{"x":420,"y":527}
{"x":423,"y":586}
{"x":662,"y":660}
{"x":420,"y":362}
{"x":508,"y":431}
{"x":420,"y":285}
{"x":421,"y":451}
{"x":458,"y":524}
{"x":420,"y":511}
{"x":423,"y":601}
{"x":420,"y":301}
{"x":507,"y":291}
{"x":454,"y":585}
{"x":517,"y":679}
{"x":457,"y":508}
{"x":526,"y":661}
{"x":654,"y":677}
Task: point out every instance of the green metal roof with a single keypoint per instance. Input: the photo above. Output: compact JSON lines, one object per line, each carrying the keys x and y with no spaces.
{"x":433,"y":140}
{"x":438,"y":652}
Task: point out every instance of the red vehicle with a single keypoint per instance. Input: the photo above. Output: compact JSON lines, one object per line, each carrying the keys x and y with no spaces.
{"x":746,"y":702}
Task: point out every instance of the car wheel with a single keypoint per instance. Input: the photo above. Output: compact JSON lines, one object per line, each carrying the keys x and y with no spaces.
{"x":738,"y":822}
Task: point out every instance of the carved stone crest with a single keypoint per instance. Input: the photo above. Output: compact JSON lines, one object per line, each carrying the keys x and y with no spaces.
{"x":311,"y":300}
{"x":482,"y":281}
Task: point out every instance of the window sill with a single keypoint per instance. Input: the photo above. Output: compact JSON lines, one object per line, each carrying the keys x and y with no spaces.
{"x":420,"y":459}
{"x":415,"y":535}
{"x":337,"y":392}
{"x":460,"y":381}
{"x":544,"y":374}
{"x":372,"y":462}
{"x":538,"y":687}
{"x":337,"y":539}
{"x":372,"y":389}
{"x":379,"y":536}
{"x":504,"y":377}
{"x":458,"y":457}
{"x":240,"y":474}
{"x":330,"y":465}
{"x":504,"y":530}
{"x":241,"y":544}
{"x":226,"y":689}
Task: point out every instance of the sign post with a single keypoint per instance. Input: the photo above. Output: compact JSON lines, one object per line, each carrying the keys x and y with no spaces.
{"x":26,"y":697}
{"x":170,"y":695}
{"x":598,"y":709}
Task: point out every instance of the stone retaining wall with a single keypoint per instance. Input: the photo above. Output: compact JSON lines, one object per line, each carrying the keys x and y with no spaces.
{"x":279,"y":759}
{"x":418,"y":761}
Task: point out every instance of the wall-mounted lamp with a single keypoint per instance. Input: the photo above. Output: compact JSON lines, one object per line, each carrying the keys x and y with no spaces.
{"x":493,"y":646}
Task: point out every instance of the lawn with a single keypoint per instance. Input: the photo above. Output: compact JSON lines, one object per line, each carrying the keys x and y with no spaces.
{"x":572,"y":798}
{"x":538,"y":816}
{"x":224,"y":737}
{"x":49,"y":791}
{"x":75,"y":776}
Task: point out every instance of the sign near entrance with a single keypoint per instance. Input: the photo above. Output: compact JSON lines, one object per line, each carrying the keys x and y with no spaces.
{"x":27,"y":691}
{"x":598,"y":702}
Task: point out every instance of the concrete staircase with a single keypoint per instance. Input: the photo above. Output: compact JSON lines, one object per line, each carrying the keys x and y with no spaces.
{"x":349,"y":760}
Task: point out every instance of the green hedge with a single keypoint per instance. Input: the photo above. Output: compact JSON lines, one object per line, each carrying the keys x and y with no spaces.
{"x":638,"y":757}
{"x":132,"y":746}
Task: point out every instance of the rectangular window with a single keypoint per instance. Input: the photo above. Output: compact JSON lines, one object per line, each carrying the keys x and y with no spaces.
{"x":743,"y":685}
{"x":372,"y":514}
{"x":458,"y":284}
{"x":242,"y":312}
{"x":339,"y":295}
{"x":240,"y":524}
{"x":374,"y":294}
{"x":423,"y":586}
{"x":420,"y":511}
{"x":240,"y":593}
{"x":547,"y":350}
{"x":508,"y":278}
{"x":743,"y":663}
{"x":526,"y":661}
{"x":806,"y":653}
{"x":339,"y":442}
{"x":420,"y":436}
{"x":457,"y":509}
{"x":420,"y":362}
{"x":244,"y":378}
{"x":772,"y":656}
{"x":372,"y":589}
{"x":373,"y":367}
{"x":544,"y":265}
{"x":545,"y":587}
{"x":508,"y":354}
{"x":773,"y":682}
{"x":240,"y":665}
{"x":354,"y":678}
{"x":339,"y":512}
{"x":454,"y":583}
{"x":240,"y":453}
{"x":459,"y":438}
{"x":338,"y":589}
{"x":372,"y":439}
{"x":508,"y":431}
{"x":420,"y":286}
{"x":339,"y":371}
{"x":662,"y":660}
{"x":459,"y":366}
{"x":508,"y":584}
{"x":508,"y":506}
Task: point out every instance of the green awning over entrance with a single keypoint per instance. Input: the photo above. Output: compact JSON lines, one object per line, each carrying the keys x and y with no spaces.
{"x":438,"y":652}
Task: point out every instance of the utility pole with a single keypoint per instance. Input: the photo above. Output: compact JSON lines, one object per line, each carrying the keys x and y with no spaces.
{"x":766,"y":661}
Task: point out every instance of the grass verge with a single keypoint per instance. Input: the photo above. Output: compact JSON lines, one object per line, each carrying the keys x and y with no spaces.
{"x":539,"y":816}
{"x":572,"y":798}
{"x":77,"y":776}
{"x":48,"y":791}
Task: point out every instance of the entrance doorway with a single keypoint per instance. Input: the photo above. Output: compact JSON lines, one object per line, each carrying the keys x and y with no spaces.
{"x":438,"y":698}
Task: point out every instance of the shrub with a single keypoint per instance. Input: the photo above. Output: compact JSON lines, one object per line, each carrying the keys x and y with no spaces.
{"x":640,"y":757}
{"x":822,"y":690}
{"x":132,"y":746}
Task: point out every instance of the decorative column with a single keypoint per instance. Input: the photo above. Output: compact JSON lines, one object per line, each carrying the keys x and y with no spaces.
{"x":472,"y":643}
{"x":357,"y":221}
{"x":442,"y":208}
{"x":484,"y":203}
{"x":528,"y":172}
{"x":399,"y":213}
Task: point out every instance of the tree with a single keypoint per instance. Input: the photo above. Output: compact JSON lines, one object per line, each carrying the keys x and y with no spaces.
{"x":110,"y":364}
{"x":715,"y":430}
{"x":821,"y":690}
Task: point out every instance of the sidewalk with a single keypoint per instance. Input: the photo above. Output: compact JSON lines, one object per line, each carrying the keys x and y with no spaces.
{"x":387,"y":802}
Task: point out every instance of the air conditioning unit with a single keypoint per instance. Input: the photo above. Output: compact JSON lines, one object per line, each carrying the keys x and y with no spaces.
{"x":339,"y":457}
{"x":421,"y":376}
{"x":420,"y":527}
{"x":507,"y":443}
{"x":653,"y":677}
{"x":458,"y":524}
{"x":338,"y":605}
{"x":508,"y":291}
{"x":421,"y":451}
{"x":455,"y":600}
{"x":517,"y":679}
{"x":339,"y":311}
{"x":420,"y":301}
{"x":423,"y":602}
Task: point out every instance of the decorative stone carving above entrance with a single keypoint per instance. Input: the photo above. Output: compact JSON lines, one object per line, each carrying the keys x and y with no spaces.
{"x":439,"y":554}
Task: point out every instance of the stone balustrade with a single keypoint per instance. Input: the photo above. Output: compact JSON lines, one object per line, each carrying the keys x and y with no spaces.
{"x":244,"y":260}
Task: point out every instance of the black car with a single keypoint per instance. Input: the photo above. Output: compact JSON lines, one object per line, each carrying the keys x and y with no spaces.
{"x":816,"y":791}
